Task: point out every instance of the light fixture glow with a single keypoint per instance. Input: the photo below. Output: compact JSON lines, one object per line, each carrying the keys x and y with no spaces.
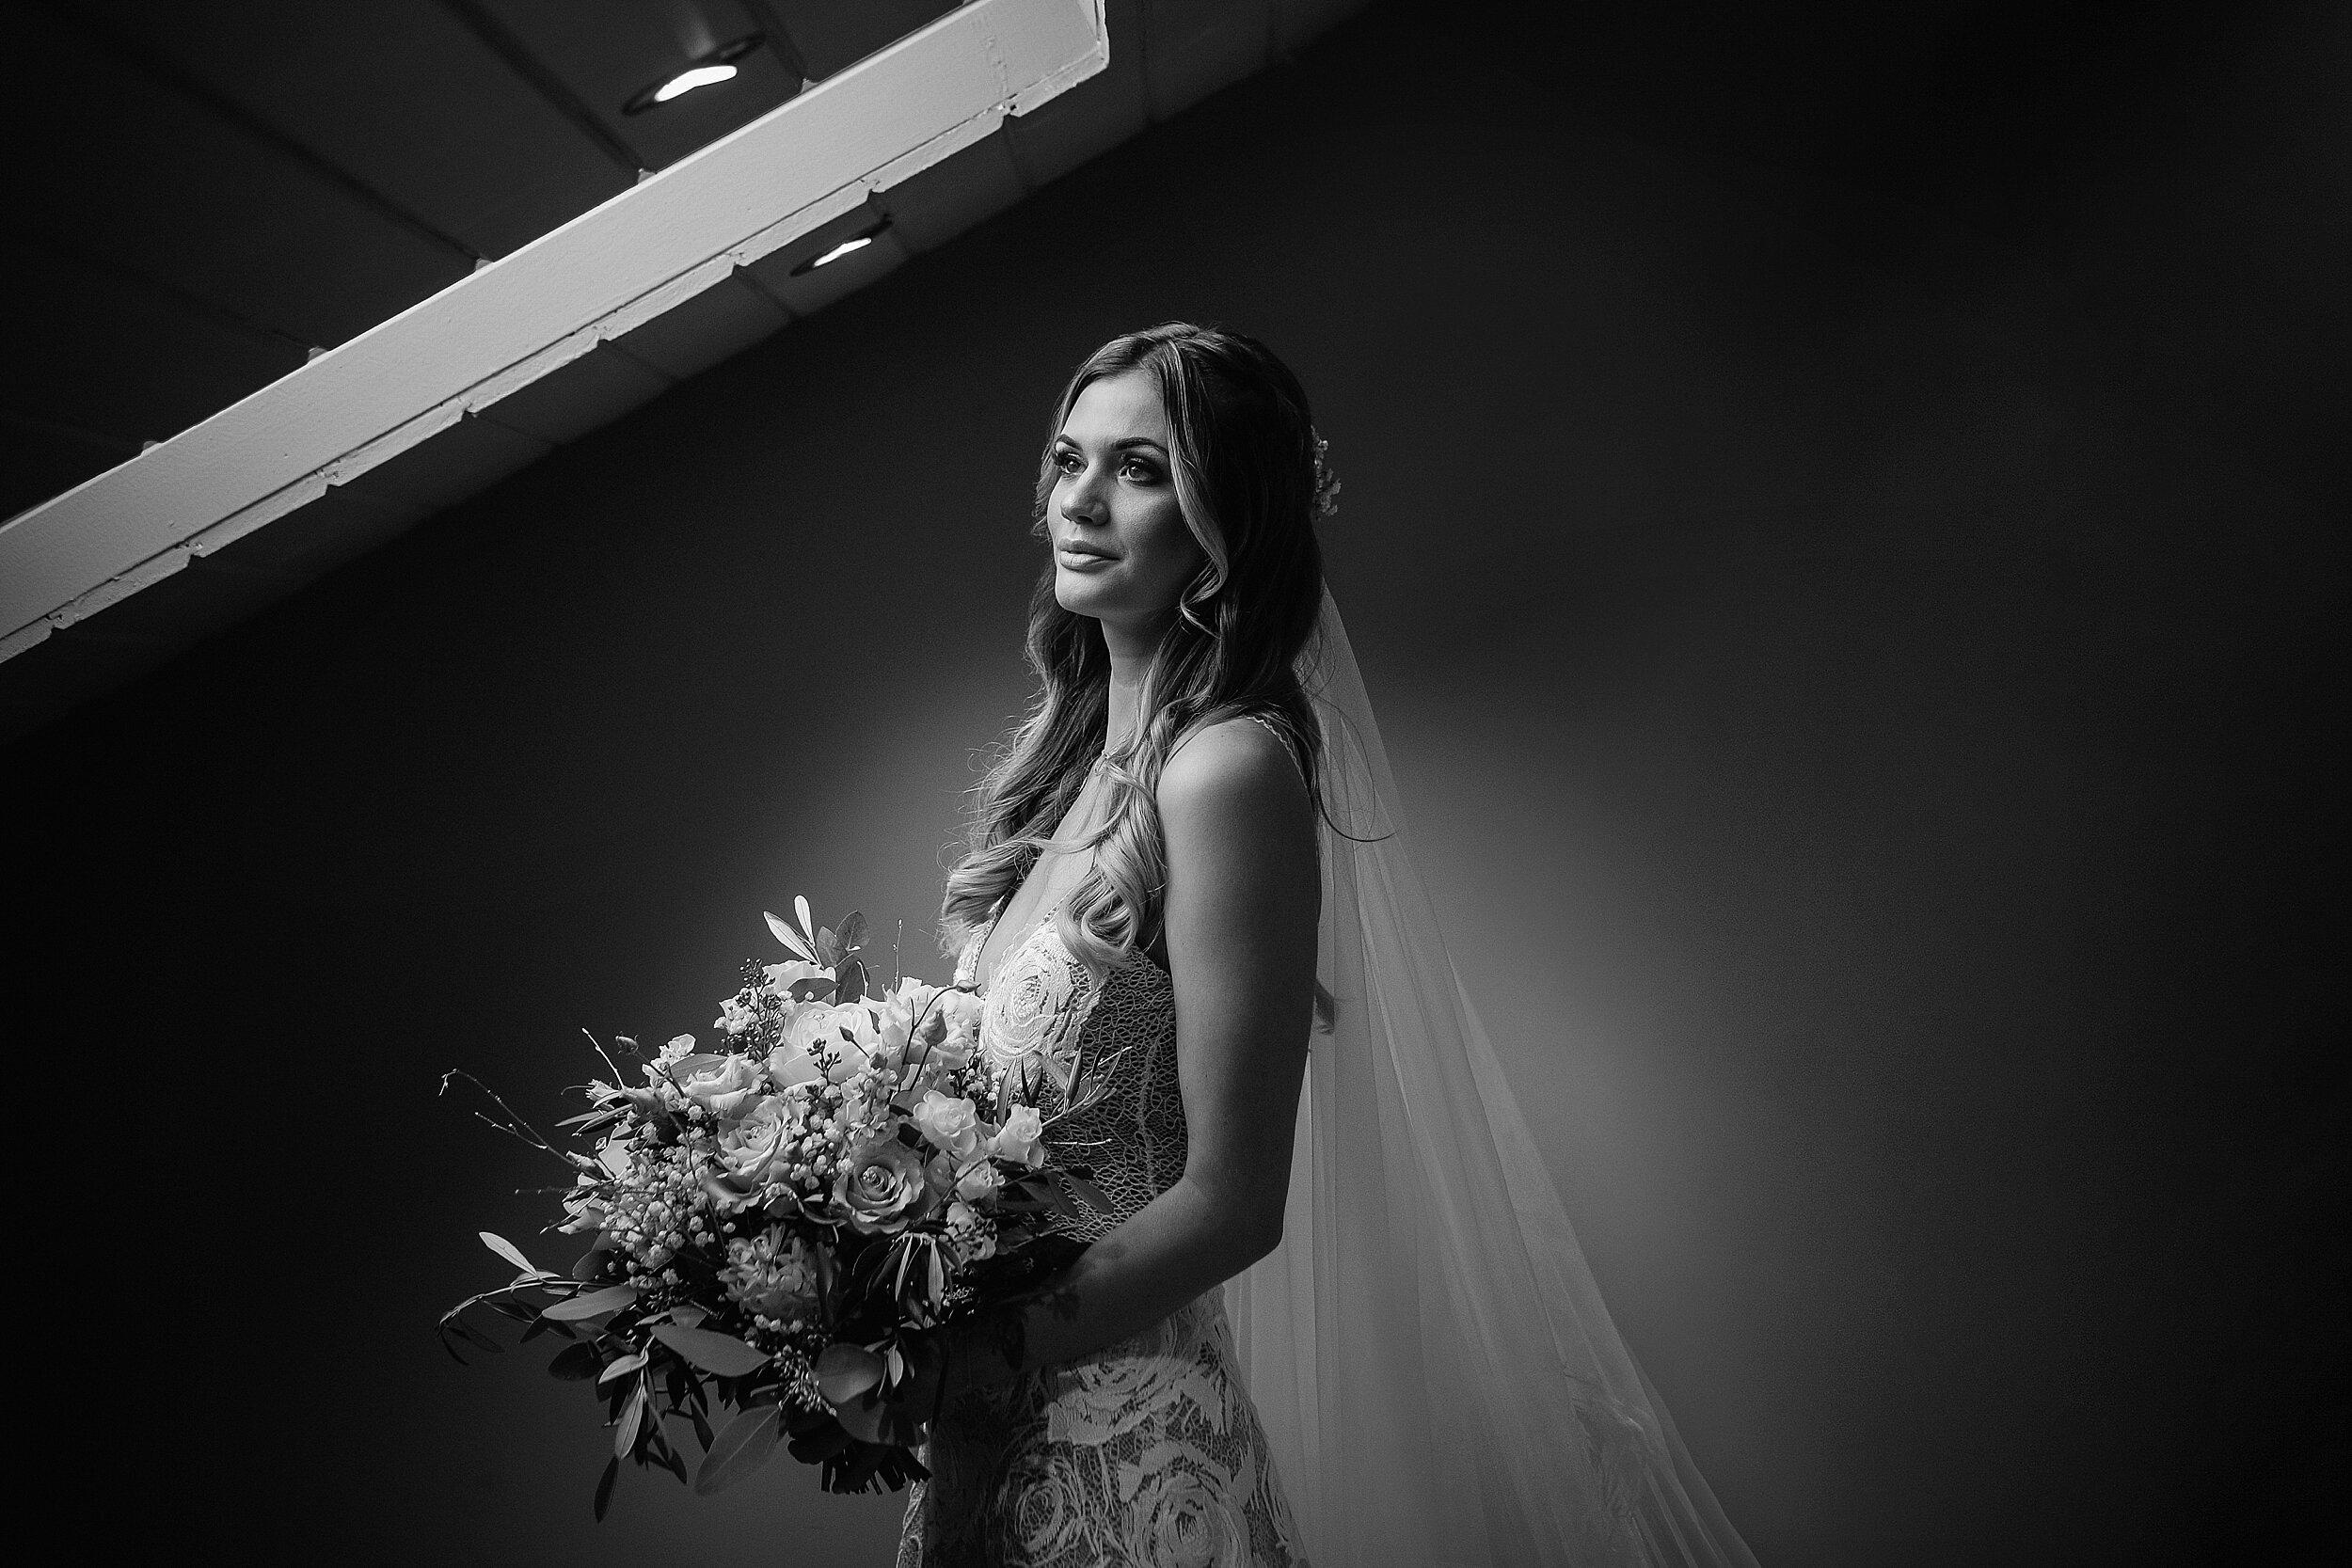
{"x":840,"y":250}
{"x":700,"y":72}
{"x":687,"y":81}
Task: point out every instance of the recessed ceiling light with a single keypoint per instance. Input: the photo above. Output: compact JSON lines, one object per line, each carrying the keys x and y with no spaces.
{"x":687,"y":81}
{"x":717,"y":66}
{"x":854,"y":242}
{"x":840,"y":250}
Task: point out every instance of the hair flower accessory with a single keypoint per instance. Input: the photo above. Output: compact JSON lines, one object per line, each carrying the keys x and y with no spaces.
{"x":1326,"y":501}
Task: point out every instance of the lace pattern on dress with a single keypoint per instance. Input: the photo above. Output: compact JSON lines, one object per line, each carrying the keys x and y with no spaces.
{"x":1145,"y":1452}
{"x":1045,"y":1022}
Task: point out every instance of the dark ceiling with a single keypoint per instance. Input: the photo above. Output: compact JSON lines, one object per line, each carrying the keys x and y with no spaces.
{"x":204,"y":194}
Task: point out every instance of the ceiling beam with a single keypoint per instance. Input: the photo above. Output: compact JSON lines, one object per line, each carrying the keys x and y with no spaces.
{"x":643,"y":255}
{"x":904,"y":150}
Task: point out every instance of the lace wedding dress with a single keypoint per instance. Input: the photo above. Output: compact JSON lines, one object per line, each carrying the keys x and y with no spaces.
{"x":1426,"y":1361}
{"x":1148,"y":1451}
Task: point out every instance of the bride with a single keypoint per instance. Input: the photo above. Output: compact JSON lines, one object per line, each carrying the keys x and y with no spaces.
{"x":1335,"y":1310}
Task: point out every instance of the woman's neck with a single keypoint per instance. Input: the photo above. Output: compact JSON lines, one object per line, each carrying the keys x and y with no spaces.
{"x":1131,"y":646}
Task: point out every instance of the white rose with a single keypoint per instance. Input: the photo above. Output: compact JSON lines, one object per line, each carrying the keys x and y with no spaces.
{"x":758,"y":1148}
{"x":883,"y":1187}
{"x":952,"y":1124}
{"x":788,"y":1064}
{"x":811,"y":1027}
{"x":961,"y":1010}
{"x":898,"y":1010}
{"x":853,"y":1038}
{"x":847,"y":1031}
{"x":980,"y":1182}
{"x":1020,"y":1138}
{"x":725,"y":1086}
{"x":803,"y":1027}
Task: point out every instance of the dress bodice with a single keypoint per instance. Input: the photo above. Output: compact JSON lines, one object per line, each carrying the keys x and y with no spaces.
{"x":1050,"y":1030}
{"x":1147,"y":1450}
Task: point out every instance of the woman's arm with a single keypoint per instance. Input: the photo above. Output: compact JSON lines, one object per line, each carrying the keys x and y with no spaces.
{"x":1242,"y":895}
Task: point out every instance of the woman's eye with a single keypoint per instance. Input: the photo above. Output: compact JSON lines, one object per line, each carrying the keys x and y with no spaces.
{"x":1138,"y":470}
{"x":1068,"y":462}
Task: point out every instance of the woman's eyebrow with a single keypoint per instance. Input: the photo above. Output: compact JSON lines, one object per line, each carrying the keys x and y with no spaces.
{"x":1123,"y":444}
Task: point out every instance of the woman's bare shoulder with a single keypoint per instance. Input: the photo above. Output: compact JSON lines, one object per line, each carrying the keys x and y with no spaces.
{"x":1233,"y":766}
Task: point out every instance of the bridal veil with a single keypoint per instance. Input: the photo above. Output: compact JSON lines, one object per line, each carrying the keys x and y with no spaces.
{"x":1435,"y":1371}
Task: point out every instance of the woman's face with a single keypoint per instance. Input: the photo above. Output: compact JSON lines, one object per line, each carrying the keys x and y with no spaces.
{"x":1121,"y":551}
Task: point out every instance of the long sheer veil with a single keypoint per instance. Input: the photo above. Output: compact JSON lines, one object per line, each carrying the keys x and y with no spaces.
{"x":1437,"y":1374}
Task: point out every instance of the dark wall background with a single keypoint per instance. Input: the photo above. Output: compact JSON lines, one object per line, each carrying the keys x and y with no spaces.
{"x":1844,"y":522}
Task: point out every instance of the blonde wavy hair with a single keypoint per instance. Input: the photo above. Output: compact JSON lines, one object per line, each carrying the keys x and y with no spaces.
{"x":1245,"y":471}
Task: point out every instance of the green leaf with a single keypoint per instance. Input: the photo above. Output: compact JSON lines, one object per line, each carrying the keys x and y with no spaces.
{"x":790,"y":937}
{"x":827,"y":1283}
{"x":623,"y":1367}
{"x":604,"y":1487}
{"x":852,"y":933}
{"x":589,"y":1304}
{"x":802,"y":1422}
{"x":822,"y":1444}
{"x":506,"y":1250}
{"x":1094,"y":1196}
{"x":633,"y":1419}
{"x":574,"y":1363}
{"x":688,"y":1316}
{"x":845,"y":1371}
{"x":740,"y":1448}
{"x":722,"y":1353}
{"x":473,"y":1336}
{"x":856,"y":1470}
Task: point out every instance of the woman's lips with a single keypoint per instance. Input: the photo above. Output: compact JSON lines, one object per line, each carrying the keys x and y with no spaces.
{"x":1082,"y":560}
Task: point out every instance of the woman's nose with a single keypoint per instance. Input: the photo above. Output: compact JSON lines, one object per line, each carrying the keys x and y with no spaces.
{"x":1082,"y":498}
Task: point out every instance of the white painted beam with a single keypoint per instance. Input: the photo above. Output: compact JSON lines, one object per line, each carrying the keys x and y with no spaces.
{"x":689,"y":237}
{"x":933,"y":135}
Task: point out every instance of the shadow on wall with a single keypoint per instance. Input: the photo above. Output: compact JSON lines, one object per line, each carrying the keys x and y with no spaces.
{"x":1853,"y":642}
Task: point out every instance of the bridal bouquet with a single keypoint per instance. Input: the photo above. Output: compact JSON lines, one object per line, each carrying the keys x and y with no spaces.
{"x":769,"y":1218}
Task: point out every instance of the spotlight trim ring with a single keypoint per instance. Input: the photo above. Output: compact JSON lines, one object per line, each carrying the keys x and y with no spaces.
{"x":726,"y":53}
{"x":856,"y":240}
